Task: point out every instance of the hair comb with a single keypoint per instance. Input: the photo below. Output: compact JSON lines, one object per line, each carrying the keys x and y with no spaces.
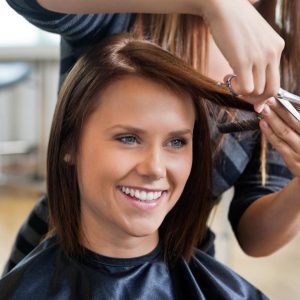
{"x":238,"y":126}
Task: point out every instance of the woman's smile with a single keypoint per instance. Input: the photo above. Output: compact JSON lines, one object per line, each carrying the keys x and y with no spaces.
{"x":144,"y":199}
{"x":141,"y":194}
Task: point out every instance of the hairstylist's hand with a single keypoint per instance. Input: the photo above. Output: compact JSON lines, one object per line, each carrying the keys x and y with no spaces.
{"x":250,"y":45}
{"x":282,"y":130}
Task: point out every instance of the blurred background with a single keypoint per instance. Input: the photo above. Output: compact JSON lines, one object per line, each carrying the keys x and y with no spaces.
{"x":28,"y":89}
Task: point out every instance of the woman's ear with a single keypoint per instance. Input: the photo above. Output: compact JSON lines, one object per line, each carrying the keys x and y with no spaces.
{"x":68,"y":159}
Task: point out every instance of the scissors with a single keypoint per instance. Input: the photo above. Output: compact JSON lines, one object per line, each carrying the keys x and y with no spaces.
{"x":284,"y":97}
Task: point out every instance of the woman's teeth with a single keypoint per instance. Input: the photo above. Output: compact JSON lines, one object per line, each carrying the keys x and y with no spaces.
{"x":141,"y":195}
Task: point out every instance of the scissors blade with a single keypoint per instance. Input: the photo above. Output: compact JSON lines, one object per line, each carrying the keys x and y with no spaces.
{"x":283,"y":94}
{"x":289,"y":107}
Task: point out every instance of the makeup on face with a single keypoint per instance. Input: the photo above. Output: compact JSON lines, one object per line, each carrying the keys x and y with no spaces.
{"x":133,"y":161}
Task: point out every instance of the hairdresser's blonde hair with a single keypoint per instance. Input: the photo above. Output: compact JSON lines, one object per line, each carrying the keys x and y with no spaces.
{"x":183,"y":35}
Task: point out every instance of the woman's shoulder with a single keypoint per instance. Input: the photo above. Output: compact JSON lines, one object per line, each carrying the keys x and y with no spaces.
{"x":31,"y":276}
{"x":45,"y":273}
{"x":213,"y":280}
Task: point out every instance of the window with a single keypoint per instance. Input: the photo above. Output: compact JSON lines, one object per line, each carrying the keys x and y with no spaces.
{"x":16,"y":31}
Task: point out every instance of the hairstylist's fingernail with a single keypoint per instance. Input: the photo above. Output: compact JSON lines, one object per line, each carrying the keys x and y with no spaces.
{"x":266,"y":110}
{"x":259,"y":108}
{"x":272,"y":101}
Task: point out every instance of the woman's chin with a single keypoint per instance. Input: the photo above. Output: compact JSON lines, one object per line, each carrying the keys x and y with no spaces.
{"x":143,"y":230}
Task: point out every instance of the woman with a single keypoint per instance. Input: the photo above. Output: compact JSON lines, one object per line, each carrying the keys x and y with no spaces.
{"x":238,"y":161}
{"x":127,"y":204}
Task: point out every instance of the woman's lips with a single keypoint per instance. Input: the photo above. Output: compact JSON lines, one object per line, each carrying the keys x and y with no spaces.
{"x":143,"y":198}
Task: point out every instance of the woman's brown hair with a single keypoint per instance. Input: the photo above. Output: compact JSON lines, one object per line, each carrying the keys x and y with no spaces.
{"x":120,"y":56}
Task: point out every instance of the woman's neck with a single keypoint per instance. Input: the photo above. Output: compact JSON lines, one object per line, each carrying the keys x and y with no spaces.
{"x":118,"y":246}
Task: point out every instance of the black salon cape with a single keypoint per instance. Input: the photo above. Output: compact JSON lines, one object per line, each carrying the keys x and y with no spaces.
{"x":48,"y":274}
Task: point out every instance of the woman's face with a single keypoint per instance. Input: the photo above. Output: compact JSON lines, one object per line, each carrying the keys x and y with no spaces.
{"x":134,"y":160}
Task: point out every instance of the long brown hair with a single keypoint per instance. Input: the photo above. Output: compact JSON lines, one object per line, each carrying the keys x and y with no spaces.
{"x":111,"y":60}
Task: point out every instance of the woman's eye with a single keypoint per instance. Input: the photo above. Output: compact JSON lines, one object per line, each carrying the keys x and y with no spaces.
{"x":177,"y":143}
{"x":128,"y":139}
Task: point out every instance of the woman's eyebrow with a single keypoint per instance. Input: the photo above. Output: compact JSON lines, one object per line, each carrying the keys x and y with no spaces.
{"x":181,"y":132}
{"x":137,"y":130}
{"x":127,"y":128}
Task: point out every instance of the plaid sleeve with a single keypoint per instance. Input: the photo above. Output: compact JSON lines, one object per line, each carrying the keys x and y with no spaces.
{"x":249,"y":187}
{"x":30,"y":234}
{"x":72,"y":27}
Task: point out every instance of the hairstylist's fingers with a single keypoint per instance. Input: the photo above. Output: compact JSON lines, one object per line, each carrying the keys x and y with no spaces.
{"x":259,"y":78}
{"x":261,"y":81}
{"x":283,"y":131}
{"x":258,"y":97}
{"x":270,"y":90}
{"x":242,"y":83}
{"x":257,"y":101}
{"x":291,"y":158}
{"x":249,"y":44}
{"x":273,"y":82}
{"x":258,"y":107}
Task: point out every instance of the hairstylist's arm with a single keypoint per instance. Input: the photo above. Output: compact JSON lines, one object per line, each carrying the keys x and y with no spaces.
{"x":274,"y":220}
{"x":251,"y":46}
{"x":271,"y":222}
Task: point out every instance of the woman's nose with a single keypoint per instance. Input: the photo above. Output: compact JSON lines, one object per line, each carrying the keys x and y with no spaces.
{"x":152,"y":165}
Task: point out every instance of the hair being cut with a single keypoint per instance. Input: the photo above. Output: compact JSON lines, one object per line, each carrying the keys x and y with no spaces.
{"x":111,"y":60}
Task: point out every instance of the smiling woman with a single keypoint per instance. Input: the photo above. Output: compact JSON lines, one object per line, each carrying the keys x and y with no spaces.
{"x":128,"y":199}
